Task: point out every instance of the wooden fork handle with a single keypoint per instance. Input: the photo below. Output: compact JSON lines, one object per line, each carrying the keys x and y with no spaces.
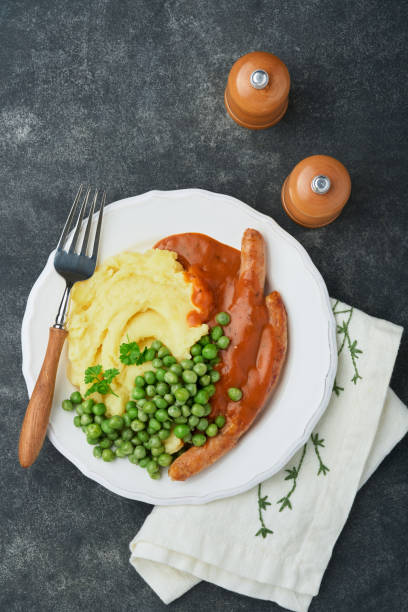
{"x":39,"y":407}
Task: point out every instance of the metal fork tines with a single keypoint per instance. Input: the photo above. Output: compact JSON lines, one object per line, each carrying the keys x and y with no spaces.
{"x":72,"y":265}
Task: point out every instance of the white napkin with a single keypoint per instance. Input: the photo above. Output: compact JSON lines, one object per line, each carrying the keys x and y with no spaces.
{"x":274,"y":542}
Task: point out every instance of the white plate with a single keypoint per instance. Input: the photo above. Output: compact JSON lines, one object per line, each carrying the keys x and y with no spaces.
{"x":307,"y":380}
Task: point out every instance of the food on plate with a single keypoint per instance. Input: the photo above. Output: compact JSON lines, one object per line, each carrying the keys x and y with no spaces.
{"x":141,"y":296}
{"x":251,"y":366}
{"x":180,"y":351}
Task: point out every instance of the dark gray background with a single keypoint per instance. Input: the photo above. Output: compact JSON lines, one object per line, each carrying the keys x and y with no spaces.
{"x":130,"y":95}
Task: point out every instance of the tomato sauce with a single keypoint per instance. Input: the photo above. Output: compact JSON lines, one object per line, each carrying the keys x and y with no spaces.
{"x":214,"y":269}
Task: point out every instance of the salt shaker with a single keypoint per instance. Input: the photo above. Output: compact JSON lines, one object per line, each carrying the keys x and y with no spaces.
{"x":256,"y":95}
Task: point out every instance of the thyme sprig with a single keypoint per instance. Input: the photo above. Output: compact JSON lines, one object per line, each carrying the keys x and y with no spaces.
{"x":355,"y":352}
{"x":323,"y":469}
{"x":263,"y":503}
{"x":293,"y":474}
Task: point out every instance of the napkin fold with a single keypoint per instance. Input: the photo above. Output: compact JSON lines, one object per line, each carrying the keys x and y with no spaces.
{"x":275,"y":541}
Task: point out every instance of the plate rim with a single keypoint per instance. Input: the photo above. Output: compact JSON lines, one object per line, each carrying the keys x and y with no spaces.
{"x":300,"y":441}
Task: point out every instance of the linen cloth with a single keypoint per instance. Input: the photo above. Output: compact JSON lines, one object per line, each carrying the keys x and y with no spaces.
{"x":275,"y":541}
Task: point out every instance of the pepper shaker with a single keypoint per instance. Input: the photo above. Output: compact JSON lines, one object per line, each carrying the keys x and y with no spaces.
{"x":316,"y":191}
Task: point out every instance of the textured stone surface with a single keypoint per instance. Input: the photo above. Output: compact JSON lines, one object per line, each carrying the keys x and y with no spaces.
{"x":130,"y":94}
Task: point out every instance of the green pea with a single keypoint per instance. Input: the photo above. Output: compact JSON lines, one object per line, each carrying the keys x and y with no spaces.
{"x":188,"y":437}
{"x":174,"y":412}
{"x":140,"y":381}
{"x":160,"y":402}
{"x":141,"y":402}
{"x":211,"y":430}
{"x":150,"y":354}
{"x":105,"y":443}
{"x":138,"y":393}
{"x":185,"y":410}
{"x":167,"y":424}
{"x":127,"y":434}
{"x":169,"y":360}
{"x":143,"y":436}
{"x":199,"y":439}
{"x":220,"y":421}
{"x":150,"y":390}
{"x":139,"y":452}
{"x":205,"y":340}
{"x":182,"y":395}
{"x":108,"y":454}
{"x":215,"y":360}
{"x":67,"y":405}
{"x":160,"y":374}
{"x":86,"y":419}
{"x":143,"y":462}
{"x":216,"y":333}
{"x":201,"y":397}
{"x":223,"y":342}
{"x":75,"y":397}
{"x":97,"y":452}
{"x":181,"y":430}
{"x":200,"y":369}
{"x":170,"y":399}
{"x":164,"y":459}
{"x":87,"y":406}
{"x":83,"y":427}
{"x":234,"y":394}
{"x":223,"y":318}
{"x":155,"y":452}
{"x":189,"y":376}
{"x":130,"y":405}
{"x":119,"y":453}
{"x":151,"y":431}
{"x":198,"y":410}
{"x":215,"y":376}
{"x":163,"y":434}
{"x":202,"y":424}
{"x":119,"y":442}
{"x":79,"y":409}
{"x":93,"y":430}
{"x":133,"y":459}
{"x":116,"y":422}
{"x":155,"y":476}
{"x":154,"y":424}
{"x":210,"y":351}
{"x":180,"y":419}
{"x":175,"y":387}
{"x":126,"y":419}
{"x":198,"y":359}
{"x":106,"y":428}
{"x":176,"y":368}
{"x":99,"y":409}
{"x":149,"y":407}
{"x":152,"y":467}
{"x":187,"y":364}
{"x":207,"y":409}
{"x":157,"y":363}
{"x":113,"y":436}
{"x":142,"y":416}
{"x":209,"y":390}
{"x":193,"y":420}
{"x":161,"y":415}
{"x":162,"y":388}
{"x":150,"y":377}
{"x":127,"y":448}
{"x":195,"y":350}
{"x":171,"y":378}
{"x":205,"y":380}
{"x":156,"y":345}
{"x":77,"y":421}
{"x":191,"y":388}
{"x":137,"y":425}
{"x":132,"y":413}
{"x":162,"y":352}
{"x":98,"y":419}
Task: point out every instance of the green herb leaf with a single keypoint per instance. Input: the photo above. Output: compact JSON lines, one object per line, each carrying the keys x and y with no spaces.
{"x":101,"y":381}
{"x":130,"y":353}
{"x":92,"y":373}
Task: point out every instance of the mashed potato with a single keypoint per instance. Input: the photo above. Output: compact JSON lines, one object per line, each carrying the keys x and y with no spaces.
{"x":140,"y":296}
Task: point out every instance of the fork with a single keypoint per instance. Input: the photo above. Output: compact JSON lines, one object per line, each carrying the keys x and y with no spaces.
{"x":73,"y":267}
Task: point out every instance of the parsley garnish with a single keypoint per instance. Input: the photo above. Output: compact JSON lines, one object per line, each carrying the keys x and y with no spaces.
{"x":101,"y":380}
{"x":130,"y":353}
